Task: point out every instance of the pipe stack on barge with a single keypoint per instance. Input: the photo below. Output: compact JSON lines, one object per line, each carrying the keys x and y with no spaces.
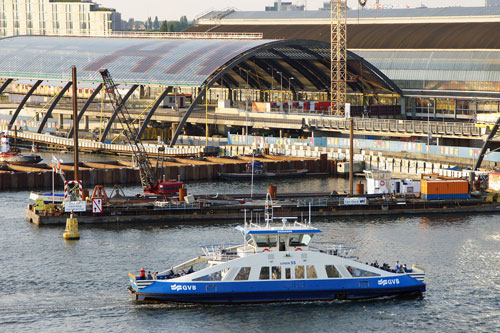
{"x":154,"y":209}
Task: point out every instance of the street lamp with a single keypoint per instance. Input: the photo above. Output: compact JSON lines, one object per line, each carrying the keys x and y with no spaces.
{"x":290,"y":99}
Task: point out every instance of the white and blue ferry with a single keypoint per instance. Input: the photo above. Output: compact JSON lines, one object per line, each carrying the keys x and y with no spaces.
{"x":276,"y":263}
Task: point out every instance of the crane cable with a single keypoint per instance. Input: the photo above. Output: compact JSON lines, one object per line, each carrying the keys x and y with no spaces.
{"x":133,"y":121}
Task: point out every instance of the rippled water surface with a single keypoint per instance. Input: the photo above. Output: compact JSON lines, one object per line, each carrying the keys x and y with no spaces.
{"x":52,"y":285}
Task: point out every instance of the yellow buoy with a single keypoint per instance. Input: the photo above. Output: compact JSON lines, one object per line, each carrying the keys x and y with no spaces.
{"x":71,"y":231}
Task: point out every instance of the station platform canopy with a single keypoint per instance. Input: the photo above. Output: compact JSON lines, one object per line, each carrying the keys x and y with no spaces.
{"x":256,"y":63}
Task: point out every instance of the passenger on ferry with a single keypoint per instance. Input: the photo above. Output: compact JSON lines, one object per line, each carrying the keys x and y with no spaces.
{"x":142,"y":274}
{"x":150,"y":277}
{"x":171,"y":271}
{"x":398,"y":267}
{"x":191,"y":270}
{"x":155,"y":275}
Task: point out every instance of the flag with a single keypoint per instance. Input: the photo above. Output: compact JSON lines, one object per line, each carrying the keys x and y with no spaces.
{"x":56,"y":165}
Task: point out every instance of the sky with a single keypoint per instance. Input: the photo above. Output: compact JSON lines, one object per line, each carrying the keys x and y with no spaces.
{"x":173,"y":9}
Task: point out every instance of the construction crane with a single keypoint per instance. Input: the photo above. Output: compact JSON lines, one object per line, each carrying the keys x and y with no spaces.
{"x":149,"y":180}
{"x":338,"y":56}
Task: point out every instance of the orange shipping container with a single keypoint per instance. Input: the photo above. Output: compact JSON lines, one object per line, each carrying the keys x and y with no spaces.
{"x":440,"y":186}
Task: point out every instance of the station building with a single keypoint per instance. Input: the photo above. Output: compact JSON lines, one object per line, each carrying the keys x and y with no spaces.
{"x":232,"y":69}
{"x":445,"y":60}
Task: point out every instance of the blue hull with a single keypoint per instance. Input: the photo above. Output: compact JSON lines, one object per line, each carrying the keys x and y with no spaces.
{"x":279,"y":291}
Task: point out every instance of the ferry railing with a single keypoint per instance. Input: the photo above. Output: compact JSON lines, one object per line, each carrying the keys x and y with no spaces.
{"x":335,"y":249}
{"x":219,"y":252}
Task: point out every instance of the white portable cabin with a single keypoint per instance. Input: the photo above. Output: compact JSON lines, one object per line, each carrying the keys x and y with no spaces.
{"x":172,"y":101}
{"x":381,"y":182}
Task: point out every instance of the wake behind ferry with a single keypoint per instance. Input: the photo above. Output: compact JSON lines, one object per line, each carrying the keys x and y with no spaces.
{"x":275,"y":263}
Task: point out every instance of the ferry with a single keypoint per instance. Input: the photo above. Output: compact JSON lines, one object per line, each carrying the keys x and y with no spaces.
{"x":277,"y":262}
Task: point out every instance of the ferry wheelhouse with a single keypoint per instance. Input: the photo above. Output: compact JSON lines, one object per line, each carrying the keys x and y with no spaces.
{"x":276,"y":263}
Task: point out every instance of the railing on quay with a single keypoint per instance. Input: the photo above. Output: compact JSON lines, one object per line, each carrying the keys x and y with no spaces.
{"x":99,"y":146}
{"x":167,"y":205}
{"x":314,"y":202}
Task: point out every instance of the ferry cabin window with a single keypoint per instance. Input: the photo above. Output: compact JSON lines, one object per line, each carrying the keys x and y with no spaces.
{"x":358,"y":272}
{"x":264,"y":273}
{"x":276,"y":272}
{"x":311,"y":272}
{"x":288,"y":273}
{"x":299,"y":272}
{"x":243,"y":274}
{"x":265,"y":240}
{"x":250,"y":240}
{"x":300,"y":240}
{"x":216,"y":276}
{"x":332,"y":272}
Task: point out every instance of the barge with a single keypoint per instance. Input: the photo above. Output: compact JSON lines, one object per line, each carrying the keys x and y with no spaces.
{"x":147,"y":210}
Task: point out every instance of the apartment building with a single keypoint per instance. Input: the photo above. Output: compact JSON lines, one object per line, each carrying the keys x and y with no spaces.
{"x":56,"y":17}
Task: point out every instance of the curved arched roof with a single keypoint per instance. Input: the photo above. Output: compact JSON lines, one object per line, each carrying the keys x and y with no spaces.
{"x":129,"y":60}
{"x":473,"y":35}
{"x":189,"y":62}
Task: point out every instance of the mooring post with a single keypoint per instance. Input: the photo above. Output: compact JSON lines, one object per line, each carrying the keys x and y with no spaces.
{"x":351,"y":156}
{"x":75,"y":123}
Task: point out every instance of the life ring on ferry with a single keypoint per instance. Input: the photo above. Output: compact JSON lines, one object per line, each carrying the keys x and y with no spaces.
{"x":298,"y":249}
{"x":266,"y":250}
{"x":382,"y":183}
{"x":211,"y":211}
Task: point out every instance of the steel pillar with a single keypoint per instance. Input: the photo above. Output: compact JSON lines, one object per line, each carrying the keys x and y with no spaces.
{"x":115,"y":113}
{"x":52,"y":106}
{"x":152,"y":111}
{"x":97,"y":90}
{"x":195,"y":103}
{"x":5,"y":85}
{"x":23,"y":102}
{"x":486,"y":144}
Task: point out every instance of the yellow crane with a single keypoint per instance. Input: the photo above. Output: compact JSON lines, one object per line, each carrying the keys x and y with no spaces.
{"x":338,"y":55}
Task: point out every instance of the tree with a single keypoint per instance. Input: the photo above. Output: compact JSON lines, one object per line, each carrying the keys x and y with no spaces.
{"x":149,"y":24}
{"x":164,"y":27}
{"x":156,"y":24}
{"x":173,"y":26}
{"x":183,"y":23}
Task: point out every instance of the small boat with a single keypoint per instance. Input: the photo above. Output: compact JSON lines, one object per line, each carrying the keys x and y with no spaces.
{"x":276,"y":263}
{"x":260,"y":173}
{"x":13,"y":156}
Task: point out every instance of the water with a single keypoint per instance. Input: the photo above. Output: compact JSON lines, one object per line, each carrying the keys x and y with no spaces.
{"x":52,"y":285}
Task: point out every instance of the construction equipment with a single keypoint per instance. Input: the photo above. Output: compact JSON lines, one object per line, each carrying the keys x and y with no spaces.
{"x":150,"y":182}
{"x":338,"y":56}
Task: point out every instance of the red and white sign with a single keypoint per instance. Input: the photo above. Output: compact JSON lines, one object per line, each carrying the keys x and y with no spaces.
{"x":73,"y":190}
{"x":97,"y":205}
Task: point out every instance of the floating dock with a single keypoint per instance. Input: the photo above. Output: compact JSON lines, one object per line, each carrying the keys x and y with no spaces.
{"x":143,"y":211}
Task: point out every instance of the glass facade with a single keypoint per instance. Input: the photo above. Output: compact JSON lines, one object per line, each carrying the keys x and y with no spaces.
{"x":45,"y":17}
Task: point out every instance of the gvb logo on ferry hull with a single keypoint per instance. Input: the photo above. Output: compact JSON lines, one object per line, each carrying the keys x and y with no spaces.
{"x":388,"y":282}
{"x":177,"y":287}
